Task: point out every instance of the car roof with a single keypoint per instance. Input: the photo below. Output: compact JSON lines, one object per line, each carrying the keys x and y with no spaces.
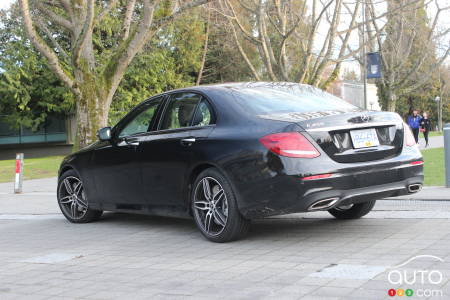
{"x":249,"y":85}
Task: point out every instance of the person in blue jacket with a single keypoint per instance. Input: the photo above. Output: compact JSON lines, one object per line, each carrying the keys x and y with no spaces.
{"x":414,"y":123}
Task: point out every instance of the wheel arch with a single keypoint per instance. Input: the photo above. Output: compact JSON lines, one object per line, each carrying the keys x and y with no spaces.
{"x":65,"y":168}
{"x":193,"y":174}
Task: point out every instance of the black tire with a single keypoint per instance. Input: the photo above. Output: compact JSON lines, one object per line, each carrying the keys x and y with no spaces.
{"x":75,"y":206}
{"x":355,"y":212}
{"x":225,"y":206}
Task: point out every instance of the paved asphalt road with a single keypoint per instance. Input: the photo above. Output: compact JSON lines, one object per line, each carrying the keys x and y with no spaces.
{"x":300,"y":256}
{"x":433,"y":142}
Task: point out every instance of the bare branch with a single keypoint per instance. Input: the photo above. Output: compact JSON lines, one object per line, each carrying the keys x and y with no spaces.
{"x":54,"y":63}
{"x":130,"y":47}
{"x":241,"y":49}
{"x":344,"y":44}
{"x":54,"y":18}
{"x":205,"y":49}
{"x":331,"y":38}
{"x":265,"y":41}
{"x":400,"y":8}
{"x":310,"y":40}
{"x":164,"y":21}
{"x":425,"y":79}
{"x":246,"y":33}
{"x":86,"y":32}
{"x":244,"y":55}
{"x":55,"y":43}
{"x":67,"y":7}
{"x":127,"y":20}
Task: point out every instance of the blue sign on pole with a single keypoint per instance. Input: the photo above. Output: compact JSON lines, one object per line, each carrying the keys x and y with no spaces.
{"x":373,"y":65}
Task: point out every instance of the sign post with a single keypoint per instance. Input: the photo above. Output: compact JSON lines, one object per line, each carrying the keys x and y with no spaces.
{"x":372,"y":69}
{"x":447,"y":154}
{"x":19,"y":174}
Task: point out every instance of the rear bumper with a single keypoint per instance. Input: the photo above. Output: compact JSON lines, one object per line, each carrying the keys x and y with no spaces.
{"x":359,"y":195}
{"x":284,"y":194}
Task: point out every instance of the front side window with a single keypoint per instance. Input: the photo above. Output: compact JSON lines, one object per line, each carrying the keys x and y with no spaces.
{"x":180,"y":110}
{"x":140,"y":123}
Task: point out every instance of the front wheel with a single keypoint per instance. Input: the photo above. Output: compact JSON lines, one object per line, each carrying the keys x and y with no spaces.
{"x":352,"y":211}
{"x":214,"y":208}
{"x":72,"y":199}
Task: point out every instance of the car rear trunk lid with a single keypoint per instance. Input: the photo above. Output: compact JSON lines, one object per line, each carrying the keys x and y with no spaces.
{"x":333,"y":130}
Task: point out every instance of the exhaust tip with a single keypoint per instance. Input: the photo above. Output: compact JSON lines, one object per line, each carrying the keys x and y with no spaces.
{"x":414,"y":188}
{"x":323,"y":204}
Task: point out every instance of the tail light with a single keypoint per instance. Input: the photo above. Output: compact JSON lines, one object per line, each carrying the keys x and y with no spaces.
{"x":409,"y":137}
{"x":290,"y":144}
{"x":319,"y":176}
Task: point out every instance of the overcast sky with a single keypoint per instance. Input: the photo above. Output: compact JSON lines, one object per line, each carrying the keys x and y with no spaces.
{"x":5,"y":3}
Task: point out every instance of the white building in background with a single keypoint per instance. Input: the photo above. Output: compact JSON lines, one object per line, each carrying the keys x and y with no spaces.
{"x":353,"y":92}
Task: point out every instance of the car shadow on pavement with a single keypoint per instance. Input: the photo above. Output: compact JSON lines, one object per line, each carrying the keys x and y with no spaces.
{"x":141,"y":219}
{"x":300,"y":227}
{"x":269,"y":228}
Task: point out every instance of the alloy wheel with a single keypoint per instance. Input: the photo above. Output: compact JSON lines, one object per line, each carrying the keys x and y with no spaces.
{"x":210,"y":206}
{"x":72,"y":198}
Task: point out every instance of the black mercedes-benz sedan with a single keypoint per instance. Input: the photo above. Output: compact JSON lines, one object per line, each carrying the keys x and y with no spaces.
{"x":226,"y":154}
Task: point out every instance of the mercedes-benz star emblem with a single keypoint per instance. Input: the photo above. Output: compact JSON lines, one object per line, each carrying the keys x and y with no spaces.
{"x":365,"y":118}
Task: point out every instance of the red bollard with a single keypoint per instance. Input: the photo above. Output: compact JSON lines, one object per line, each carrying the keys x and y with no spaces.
{"x":19,"y":174}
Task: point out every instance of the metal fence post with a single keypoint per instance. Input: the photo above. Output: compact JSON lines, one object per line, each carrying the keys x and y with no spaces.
{"x":447,"y":154}
{"x":19,"y":174}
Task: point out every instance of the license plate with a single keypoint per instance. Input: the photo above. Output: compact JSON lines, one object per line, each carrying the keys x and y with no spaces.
{"x":364,"y":138}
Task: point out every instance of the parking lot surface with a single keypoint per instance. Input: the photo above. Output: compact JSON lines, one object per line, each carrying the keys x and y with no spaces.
{"x":300,"y":256}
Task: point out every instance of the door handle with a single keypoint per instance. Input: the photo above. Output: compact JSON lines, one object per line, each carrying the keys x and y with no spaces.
{"x":187,"y":141}
{"x":131,"y":142}
{"x":134,"y":143}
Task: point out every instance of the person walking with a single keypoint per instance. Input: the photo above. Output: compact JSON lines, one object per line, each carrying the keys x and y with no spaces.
{"x":414,"y":123}
{"x":425,"y":127}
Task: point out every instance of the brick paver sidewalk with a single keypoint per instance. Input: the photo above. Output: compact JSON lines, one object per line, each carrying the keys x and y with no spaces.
{"x":301,"y":256}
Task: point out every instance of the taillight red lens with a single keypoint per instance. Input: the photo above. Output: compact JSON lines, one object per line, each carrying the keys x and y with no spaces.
{"x":319,"y":176}
{"x":409,"y":137}
{"x":290,"y":144}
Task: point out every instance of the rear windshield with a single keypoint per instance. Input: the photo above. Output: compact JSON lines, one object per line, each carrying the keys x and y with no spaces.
{"x":286,"y":98}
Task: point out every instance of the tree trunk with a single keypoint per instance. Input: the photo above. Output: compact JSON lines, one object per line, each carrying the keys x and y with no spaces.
{"x":205,"y":50}
{"x":92,"y":109}
{"x":90,"y":118}
{"x":392,"y":100}
{"x":410,"y":104}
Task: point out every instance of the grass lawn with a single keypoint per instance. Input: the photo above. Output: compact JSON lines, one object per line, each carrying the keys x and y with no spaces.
{"x":33,"y":168}
{"x":433,"y":133}
{"x":434,"y":166}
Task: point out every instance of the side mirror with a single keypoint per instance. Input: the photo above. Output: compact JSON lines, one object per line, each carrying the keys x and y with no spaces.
{"x":104,"y":134}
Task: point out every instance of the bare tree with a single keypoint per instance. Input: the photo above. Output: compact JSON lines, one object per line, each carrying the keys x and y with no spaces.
{"x":205,"y":49}
{"x":298,"y":40}
{"x":93,"y":80}
{"x":411,"y":46}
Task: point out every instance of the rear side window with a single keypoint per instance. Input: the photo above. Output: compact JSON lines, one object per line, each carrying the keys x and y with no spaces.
{"x":180,"y":110}
{"x":203,"y":115}
{"x":264,"y":100}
